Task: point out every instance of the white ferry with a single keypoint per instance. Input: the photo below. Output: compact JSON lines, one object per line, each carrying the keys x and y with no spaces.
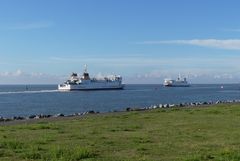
{"x":86,"y":83}
{"x":176,"y":83}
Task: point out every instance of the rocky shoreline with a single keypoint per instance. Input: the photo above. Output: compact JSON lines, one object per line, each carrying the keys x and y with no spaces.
{"x":59,"y":115}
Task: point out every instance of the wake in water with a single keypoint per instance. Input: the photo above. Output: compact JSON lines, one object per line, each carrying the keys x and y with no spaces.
{"x":26,"y":92}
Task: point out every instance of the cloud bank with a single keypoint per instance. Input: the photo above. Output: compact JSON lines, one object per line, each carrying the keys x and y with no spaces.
{"x":21,"y":77}
{"x":152,"y":77}
{"x":230,"y":44}
{"x":158,"y":76}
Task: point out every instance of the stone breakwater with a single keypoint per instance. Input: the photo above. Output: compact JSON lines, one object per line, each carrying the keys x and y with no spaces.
{"x":190,"y":105}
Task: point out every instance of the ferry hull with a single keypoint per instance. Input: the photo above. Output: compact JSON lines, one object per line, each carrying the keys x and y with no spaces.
{"x":83,"y":87}
{"x":170,"y":85}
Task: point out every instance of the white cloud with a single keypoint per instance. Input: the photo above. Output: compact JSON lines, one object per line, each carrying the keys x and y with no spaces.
{"x":16,"y":73}
{"x":231,"y":44}
{"x":155,"y":76}
{"x":199,"y":77}
{"x":20,"y":77}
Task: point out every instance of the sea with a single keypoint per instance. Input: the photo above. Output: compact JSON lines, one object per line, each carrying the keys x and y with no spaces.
{"x":25,"y":100}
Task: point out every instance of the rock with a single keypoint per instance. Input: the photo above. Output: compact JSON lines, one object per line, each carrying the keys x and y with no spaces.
{"x":7,"y":119}
{"x":59,"y":115}
{"x":84,"y":113}
{"x":217,"y":102}
{"x":140,"y":109}
{"x":31,"y":116}
{"x":42,"y":116}
{"x":17,"y":118}
{"x":205,"y":103}
{"x":91,"y":112}
{"x":75,"y":114}
{"x":48,"y":116}
{"x":155,"y":106}
{"x":198,"y":103}
{"x":210,"y":102}
{"x":1,"y":119}
{"x":193,"y":104}
{"x":166,"y":105}
{"x":128,"y":109}
{"x":181,"y":105}
{"x":37,"y":117}
{"x":21,"y":118}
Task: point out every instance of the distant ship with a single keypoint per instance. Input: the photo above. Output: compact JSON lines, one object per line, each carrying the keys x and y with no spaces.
{"x":86,"y":83}
{"x":176,"y":83}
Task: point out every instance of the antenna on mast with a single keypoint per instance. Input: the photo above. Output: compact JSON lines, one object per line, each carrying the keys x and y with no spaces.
{"x":85,"y":68}
{"x":179,"y":76}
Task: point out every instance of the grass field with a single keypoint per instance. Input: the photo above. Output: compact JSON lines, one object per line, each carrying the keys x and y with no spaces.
{"x":191,"y":134}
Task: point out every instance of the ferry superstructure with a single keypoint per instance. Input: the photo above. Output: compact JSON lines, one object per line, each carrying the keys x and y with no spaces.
{"x":176,"y":83}
{"x":86,"y":83}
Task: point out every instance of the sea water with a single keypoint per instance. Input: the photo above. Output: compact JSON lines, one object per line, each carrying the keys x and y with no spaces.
{"x":22,"y":100}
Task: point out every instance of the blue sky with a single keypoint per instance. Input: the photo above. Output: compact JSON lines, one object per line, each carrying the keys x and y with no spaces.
{"x":143,"y":40}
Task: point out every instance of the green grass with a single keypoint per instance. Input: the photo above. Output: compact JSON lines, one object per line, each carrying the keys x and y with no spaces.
{"x":190,"y":134}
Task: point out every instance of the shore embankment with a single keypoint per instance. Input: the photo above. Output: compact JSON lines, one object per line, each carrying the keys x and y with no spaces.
{"x":33,"y":117}
{"x":192,"y":133}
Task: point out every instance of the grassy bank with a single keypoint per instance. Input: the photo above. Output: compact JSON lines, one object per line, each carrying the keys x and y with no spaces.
{"x":209,"y":133}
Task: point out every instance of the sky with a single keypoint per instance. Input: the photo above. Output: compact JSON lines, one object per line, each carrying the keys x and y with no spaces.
{"x":145,"y":41}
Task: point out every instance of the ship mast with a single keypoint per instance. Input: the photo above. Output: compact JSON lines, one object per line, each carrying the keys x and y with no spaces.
{"x":179,"y":76}
{"x":85,"y":68}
